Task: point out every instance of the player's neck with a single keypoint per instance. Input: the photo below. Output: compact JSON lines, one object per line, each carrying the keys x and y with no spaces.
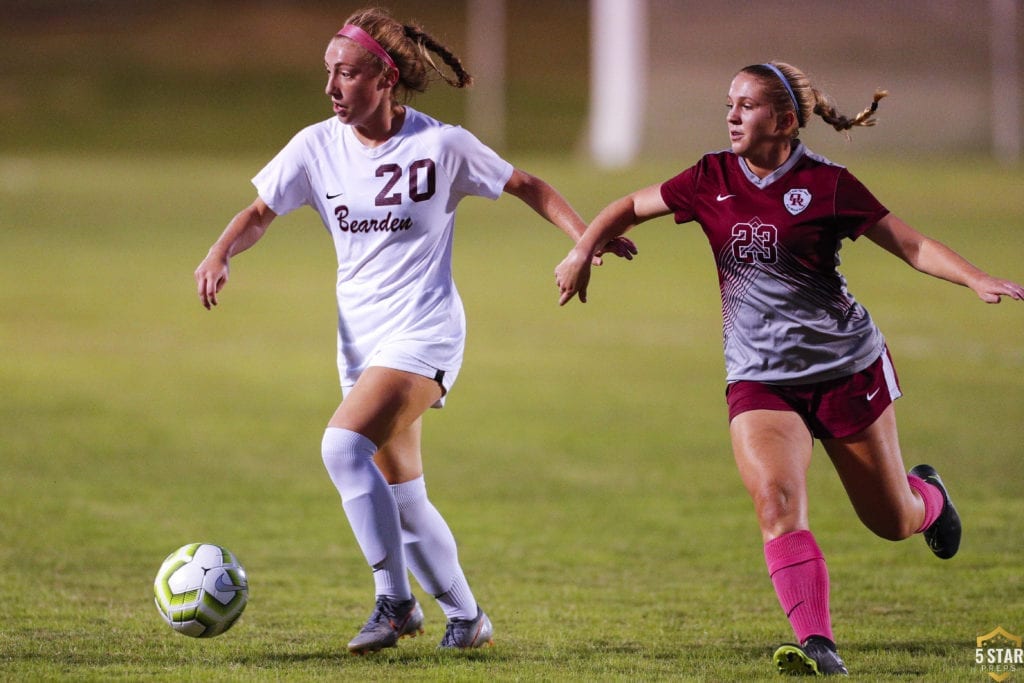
{"x":764,"y":162}
{"x":382,"y":128}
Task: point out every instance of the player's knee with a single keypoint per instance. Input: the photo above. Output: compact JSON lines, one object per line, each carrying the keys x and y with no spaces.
{"x":778,"y":508}
{"x":346,"y":455}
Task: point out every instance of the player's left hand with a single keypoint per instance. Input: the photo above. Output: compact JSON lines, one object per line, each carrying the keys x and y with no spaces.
{"x":991,"y":290}
{"x":572,"y":276}
{"x":623,"y":247}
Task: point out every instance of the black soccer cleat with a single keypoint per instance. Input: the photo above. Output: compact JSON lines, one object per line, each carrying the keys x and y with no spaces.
{"x":943,"y":536}
{"x":816,"y":657}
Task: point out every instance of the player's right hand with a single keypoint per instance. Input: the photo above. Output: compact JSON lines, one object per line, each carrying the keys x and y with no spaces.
{"x":211,"y":276}
{"x":623,"y":247}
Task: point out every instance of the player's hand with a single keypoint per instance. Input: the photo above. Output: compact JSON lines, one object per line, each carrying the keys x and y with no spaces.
{"x":991,"y":290}
{"x":572,"y":276}
{"x":211,"y":276}
{"x":623,"y":247}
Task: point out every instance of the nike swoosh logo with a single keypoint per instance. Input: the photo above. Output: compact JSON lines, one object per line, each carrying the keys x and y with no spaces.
{"x":872,"y":394}
{"x":723,"y":197}
{"x":334,"y":196}
{"x":223,"y":586}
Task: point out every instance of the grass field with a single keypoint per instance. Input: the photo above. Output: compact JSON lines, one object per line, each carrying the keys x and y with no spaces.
{"x":582,"y":460}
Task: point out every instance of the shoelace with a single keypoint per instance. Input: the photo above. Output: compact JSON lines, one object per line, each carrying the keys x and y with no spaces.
{"x":453,"y":627}
{"x":384,"y":611}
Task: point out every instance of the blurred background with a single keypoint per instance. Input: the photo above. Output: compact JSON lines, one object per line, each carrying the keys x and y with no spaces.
{"x":229,"y":77}
{"x":135,"y":421}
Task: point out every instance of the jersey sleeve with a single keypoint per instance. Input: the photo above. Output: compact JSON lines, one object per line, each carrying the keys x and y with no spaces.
{"x":474,"y":168}
{"x":856,"y":208}
{"x":679,"y":194}
{"x":284,"y":182}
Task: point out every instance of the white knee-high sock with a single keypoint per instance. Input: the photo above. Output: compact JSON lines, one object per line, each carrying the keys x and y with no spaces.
{"x":431,"y":551}
{"x":370,"y":508}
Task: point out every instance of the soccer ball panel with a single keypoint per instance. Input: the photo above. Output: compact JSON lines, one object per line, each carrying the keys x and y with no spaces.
{"x":201,"y":590}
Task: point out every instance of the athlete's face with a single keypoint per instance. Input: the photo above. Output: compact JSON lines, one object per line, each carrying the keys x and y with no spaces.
{"x":755,"y":131}
{"x":358,"y":88}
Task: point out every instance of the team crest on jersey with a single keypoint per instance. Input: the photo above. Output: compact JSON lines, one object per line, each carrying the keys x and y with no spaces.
{"x":797,"y":200}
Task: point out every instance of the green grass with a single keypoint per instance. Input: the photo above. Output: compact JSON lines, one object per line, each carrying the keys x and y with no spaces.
{"x":582,"y":461}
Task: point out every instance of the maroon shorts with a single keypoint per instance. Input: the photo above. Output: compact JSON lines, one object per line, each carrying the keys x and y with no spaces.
{"x":832,"y":410}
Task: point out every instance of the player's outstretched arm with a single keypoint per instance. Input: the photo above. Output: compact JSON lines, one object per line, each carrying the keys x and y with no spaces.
{"x":243,"y":231}
{"x":572,"y":275}
{"x":549,"y":204}
{"x":936,"y":259}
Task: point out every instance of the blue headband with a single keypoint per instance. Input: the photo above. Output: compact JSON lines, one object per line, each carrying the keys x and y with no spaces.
{"x":775,"y":70}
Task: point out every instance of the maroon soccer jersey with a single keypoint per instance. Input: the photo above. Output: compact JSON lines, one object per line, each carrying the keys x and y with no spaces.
{"x":787,"y":316}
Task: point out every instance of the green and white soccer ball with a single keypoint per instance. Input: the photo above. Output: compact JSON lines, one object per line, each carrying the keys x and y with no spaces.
{"x":201,"y":590}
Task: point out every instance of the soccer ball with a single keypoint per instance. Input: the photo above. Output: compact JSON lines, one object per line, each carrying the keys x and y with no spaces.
{"x":201,"y":590}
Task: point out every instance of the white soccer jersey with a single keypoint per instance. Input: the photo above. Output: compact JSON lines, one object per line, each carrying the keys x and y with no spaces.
{"x":391,"y":213}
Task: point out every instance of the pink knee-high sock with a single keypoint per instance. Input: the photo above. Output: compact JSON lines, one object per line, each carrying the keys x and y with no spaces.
{"x":932,"y":497}
{"x":800,"y":577}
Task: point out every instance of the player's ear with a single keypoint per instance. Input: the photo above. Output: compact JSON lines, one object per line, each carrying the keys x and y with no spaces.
{"x":787,"y":122}
{"x":389,"y":77}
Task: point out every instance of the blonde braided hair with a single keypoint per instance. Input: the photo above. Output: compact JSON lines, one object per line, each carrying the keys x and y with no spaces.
{"x":410,"y":47}
{"x":811,"y":101}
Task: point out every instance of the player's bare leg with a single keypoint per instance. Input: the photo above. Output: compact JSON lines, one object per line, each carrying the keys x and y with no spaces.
{"x":773,"y":449}
{"x":891,"y":503}
{"x":773,"y":453}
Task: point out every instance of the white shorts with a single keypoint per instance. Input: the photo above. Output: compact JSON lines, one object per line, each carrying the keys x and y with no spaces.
{"x":399,"y":356}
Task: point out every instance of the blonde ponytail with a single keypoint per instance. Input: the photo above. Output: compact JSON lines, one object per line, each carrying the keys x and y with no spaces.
{"x":786,"y":86}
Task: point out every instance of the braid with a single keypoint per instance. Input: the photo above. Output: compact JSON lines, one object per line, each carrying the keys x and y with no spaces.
{"x":808,"y":99}
{"x":426,"y":44}
{"x":825,"y":108}
{"x":410,"y":47}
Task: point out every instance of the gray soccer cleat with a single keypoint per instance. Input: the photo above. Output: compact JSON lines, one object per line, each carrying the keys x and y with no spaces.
{"x":464,"y":634}
{"x":391,"y":620}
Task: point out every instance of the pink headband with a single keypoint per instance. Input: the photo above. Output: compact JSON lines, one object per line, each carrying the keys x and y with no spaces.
{"x":366,"y":40}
